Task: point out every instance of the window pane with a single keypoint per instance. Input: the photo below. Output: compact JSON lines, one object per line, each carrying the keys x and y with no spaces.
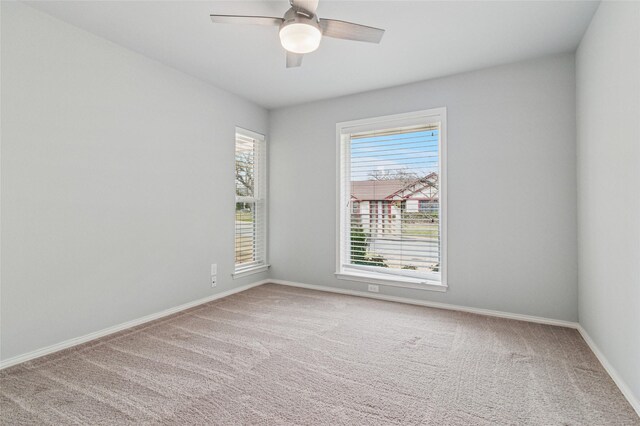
{"x":394,"y":182}
{"x":250,"y":215}
{"x":245,"y":233}
{"x":245,"y":167}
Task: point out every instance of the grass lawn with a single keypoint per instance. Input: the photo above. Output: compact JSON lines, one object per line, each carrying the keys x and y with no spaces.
{"x":420,"y":230}
{"x":244,"y":216}
{"x":244,"y":249}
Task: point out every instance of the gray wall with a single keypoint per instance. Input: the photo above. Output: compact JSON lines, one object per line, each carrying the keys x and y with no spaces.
{"x":117,"y":183}
{"x":608,"y":102}
{"x":512,"y":186}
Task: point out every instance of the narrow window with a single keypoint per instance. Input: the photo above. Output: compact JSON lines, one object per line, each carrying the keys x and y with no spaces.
{"x":250,"y":217}
{"x":393,"y":200}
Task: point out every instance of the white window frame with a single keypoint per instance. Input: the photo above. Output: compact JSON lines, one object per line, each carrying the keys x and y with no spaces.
{"x":260,"y":196}
{"x":397,"y":277}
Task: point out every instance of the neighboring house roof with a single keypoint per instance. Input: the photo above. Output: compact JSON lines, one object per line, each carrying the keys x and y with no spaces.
{"x":375,"y":189}
{"x":423,"y":188}
{"x":389,"y":189}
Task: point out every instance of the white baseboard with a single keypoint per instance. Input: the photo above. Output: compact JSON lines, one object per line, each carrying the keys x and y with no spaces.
{"x":110,"y":330}
{"x":480,"y":311}
{"x":622,"y":385}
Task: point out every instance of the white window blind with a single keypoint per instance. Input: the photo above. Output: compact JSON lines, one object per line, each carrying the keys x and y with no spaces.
{"x":391,"y":187}
{"x":250,"y":217}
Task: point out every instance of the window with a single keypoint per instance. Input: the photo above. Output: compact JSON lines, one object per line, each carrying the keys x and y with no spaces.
{"x":250,"y":219}
{"x":392,"y":200}
{"x":428,"y":206}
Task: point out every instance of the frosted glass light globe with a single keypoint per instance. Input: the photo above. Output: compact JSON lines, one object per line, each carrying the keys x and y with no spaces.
{"x":300,"y":38}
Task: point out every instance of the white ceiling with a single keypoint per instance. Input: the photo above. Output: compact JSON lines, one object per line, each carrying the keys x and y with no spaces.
{"x":423,"y":40}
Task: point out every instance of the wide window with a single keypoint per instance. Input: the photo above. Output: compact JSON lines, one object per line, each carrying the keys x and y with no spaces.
{"x":250,"y":219}
{"x":392,"y":200}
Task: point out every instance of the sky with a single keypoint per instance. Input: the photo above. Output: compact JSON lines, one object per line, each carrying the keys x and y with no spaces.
{"x":414,"y":152}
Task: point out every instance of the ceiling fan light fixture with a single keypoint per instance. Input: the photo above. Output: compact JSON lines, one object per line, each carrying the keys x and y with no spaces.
{"x":301,"y":30}
{"x":299,"y":37}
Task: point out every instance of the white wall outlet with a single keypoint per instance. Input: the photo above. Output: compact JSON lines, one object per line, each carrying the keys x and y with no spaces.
{"x":373,"y":288}
{"x":214,"y":274}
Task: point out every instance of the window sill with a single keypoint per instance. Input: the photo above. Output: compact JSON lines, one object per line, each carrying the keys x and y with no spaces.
{"x":393,"y":281}
{"x":250,"y":271}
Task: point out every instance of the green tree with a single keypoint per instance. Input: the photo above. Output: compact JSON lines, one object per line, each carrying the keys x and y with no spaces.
{"x":359,"y":255}
{"x":358,"y":245}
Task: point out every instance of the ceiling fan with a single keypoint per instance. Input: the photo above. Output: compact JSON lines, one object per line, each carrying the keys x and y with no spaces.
{"x":301,"y":30}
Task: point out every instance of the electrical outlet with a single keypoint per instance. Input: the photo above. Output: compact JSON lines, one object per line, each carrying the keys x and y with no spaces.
{"x":214,"y":274}
{"x":373,"y":288}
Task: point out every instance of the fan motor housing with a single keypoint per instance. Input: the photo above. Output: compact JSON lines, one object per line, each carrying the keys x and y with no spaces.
{"x":300,"y":16}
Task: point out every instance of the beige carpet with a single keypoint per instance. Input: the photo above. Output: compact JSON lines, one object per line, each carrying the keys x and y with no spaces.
{"x":281,"y":355}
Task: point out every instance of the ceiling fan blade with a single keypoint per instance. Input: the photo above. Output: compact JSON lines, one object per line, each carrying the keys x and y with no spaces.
{"x":248,"y":20}
{"x":308,"y":5}
{"x":350,"y":31}
{"x":294,"y":59}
